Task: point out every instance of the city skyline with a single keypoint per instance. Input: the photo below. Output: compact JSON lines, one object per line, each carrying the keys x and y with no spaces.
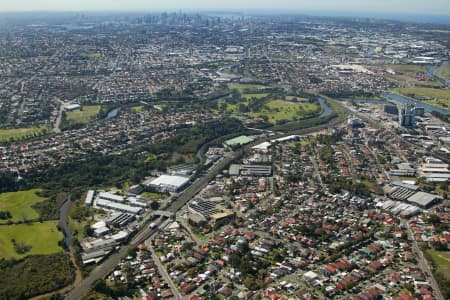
{"x":434,"y":7}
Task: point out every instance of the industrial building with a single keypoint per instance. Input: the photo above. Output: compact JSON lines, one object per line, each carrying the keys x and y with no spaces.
{"x":239,"y":141}
{"x":404,"y":170}
{"x":72,"y":107}
{"x":250,"y":170}
{"x":120,"y":219}
{"x":212,"y":210}
{"x":437,"y":171}
{"x":391,"y":109}
{"x":118,"y":206}
{"x":111,"y":197}
{"x":89,"y":198}
{"x":135,"y":189}
{"x":169,"y":183}
{"x":424,"y":200}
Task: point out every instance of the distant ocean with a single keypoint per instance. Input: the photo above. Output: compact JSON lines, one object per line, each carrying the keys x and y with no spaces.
{"x":419,"y":18}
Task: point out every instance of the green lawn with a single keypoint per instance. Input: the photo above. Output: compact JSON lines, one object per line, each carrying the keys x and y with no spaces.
{"x":277,"y":110}
{"x":296,"y":99}
{"x":42,"y":237}
{"x":407,"y":68}
{"x":83,"y":116}
{"x":437,"y":97}
{"x":444,"y":72}
{"x":257,"y":96}
{"x":245,"y":87}
{"x":22,"y":133}
{"x":138,"y":108}
{"x":91,"y":55}
{"x":19,"y":204}
{"x":442,"y":261}
{"x":429,"y":84}
{"x":155,"y":196}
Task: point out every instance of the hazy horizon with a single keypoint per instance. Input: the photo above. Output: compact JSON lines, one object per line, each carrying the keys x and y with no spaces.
{"x":431,"y":7}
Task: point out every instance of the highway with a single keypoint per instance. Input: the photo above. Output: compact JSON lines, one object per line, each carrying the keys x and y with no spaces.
{"x":113,"y":260}
{"x":144,"y":233}
{"x":109,"y":264}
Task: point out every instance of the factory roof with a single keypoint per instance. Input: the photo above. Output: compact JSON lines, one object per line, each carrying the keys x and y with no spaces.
{"x":422,"y":198}
{"x":240,"y":140}
{"x":168,"y":180}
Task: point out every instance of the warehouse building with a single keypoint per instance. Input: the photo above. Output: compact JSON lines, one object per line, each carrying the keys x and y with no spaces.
{"x":111,"y":197}
{"x":250,"y":170}
{"x":89,"y":198}
{"x":72,"y":107}
{"x":239,"y":141}
{"x":201,"y":211}
{"x":118,"y":207}
{"x":169,"y":183}
{"x":424,"y":200}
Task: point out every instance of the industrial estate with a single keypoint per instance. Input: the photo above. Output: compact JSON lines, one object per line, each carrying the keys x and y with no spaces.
{"x":223,"y":156}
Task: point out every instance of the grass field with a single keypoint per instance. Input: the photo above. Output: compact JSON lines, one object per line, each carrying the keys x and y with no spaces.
{"x":444,"y":72}
{"x":245,"y":87}
{"x":296,"y":99}
{"x":442,"y":261}
{"x":19,"y":204}
{"x":406,"y":68}
{"x":277,"y":110}
{"x":22,"y":133}
{"x":138,"y":108}
{"x":83,"y":116}
{"x":429,"y":84}
{"x":91,"y":55}
{"x":42,"y":237}
{"x":437,"y":97}
{"x":155,"y":196}
{"x":257,"y":96}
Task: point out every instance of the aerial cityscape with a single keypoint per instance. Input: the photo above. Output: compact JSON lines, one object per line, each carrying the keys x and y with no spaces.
{"x":225,"y":150}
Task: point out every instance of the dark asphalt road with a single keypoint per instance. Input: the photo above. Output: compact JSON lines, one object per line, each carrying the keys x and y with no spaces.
{"x":113,"y":260}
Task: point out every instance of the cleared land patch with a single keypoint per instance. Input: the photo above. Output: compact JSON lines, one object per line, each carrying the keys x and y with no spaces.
{"x":19,"y":204}
{"x":406,"y":68}
{"x":41,"y":238}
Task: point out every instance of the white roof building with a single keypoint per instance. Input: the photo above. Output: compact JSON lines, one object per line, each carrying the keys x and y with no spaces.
{"x":170,"y":183}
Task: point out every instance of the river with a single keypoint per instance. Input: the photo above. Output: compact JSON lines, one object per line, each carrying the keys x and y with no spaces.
{"x":402,"y":100}
{"x":406,"y":100}
{"x":326,"y":109}
{"x":113,"y":113}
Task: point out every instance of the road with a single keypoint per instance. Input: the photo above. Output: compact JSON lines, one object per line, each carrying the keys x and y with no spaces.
{"x":313,"y":160}
{"x":165,"y":275}
{"x":144,"y":233}
{"x":56,"y":129}
{"x":106,"y":267}
{"x":423,"y":264}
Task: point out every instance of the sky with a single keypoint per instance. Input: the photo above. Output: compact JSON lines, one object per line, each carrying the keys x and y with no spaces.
{"x":432,"y":7}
